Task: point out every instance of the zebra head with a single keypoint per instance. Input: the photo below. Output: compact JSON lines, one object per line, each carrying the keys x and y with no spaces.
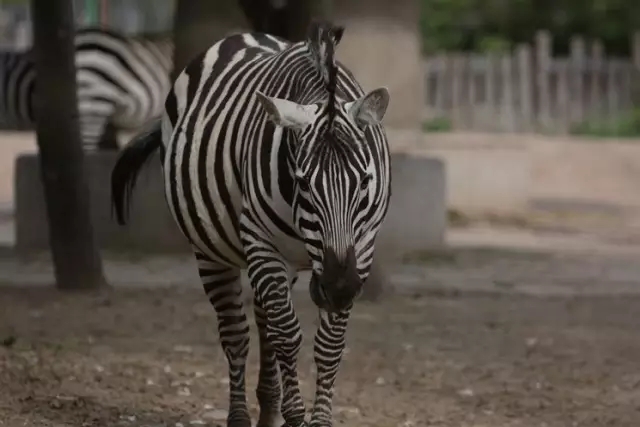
{"x":335,"y":176}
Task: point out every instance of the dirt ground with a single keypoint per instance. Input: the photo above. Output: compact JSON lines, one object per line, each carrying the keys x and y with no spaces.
{"x":150,"y":357}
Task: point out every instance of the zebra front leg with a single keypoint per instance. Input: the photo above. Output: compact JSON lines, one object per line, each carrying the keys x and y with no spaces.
{"x":329,"y":345}
{"x":223,"y":287}
{"x":268,"y":390}
{"x":269,"y":279}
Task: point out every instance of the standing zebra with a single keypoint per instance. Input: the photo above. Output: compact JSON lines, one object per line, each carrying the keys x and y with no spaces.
{"x":122,"y":83}
{"x":274,"y":159}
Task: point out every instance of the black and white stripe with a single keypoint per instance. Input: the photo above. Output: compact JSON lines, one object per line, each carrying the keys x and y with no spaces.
{"x":274,"y":160}
{"x":122,"y":82}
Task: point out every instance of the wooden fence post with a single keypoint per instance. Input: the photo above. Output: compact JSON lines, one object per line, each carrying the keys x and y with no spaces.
{"x":457,"y":74}
{"x":543,"y":58}
{"x":597,"y":59}
{"x":576,"y":77}
{"x":490,"y":88}
{"x":525,"y":75}
{"x":508,"y":115}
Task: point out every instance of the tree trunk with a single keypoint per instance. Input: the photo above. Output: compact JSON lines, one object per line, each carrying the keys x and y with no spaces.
{"x":76,"y":258}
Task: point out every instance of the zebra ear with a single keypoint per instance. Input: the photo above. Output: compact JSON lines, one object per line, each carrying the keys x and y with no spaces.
{"x":370,"y":109}
{"x":286,"y":113}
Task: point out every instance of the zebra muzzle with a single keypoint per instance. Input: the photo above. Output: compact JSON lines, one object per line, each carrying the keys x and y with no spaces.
{"x":339,"y":283}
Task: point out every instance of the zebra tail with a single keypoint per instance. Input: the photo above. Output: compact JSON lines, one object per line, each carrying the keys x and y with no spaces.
{"x":129,"y":163}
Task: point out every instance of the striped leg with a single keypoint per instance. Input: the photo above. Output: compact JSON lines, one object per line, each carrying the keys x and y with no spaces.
{"x":268,"y":391}
{"x":109,"y":139}
{"x":222,"y":285}
{"x":270,"y":281}
{"x":92,"y":131}
{"x":94,"y":116}
{"x":328,"y":348}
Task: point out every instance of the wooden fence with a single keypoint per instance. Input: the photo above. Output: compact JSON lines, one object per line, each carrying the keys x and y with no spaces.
{"x":530,"y":90}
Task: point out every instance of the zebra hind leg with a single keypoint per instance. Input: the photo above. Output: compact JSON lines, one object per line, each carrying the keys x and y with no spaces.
{"x":268,"y":391}
{"x":222,"y":286}
{"x":109,"y":139}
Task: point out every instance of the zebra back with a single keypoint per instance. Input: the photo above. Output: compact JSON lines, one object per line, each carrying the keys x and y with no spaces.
{"x":121,"y":80}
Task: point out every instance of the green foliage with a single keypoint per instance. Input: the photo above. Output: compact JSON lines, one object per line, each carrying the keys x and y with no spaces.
{"x":625,"y":126}
{"x":440,"y":124}
{"x":495,"y":25}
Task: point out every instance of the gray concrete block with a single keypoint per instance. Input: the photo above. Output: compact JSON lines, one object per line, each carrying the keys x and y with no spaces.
{"x":416,"y":220}
{"x":150,"y":229}
{"x":417,"y":216}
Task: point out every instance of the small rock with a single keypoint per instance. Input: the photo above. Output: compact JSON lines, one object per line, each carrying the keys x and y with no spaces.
{"x":179,"y":425}
{"x":184,"y":391}
{"x":198,"y":374}
{"x":130,"y":418}
{"x":351,"y":411}
{"x":467,"y":392}
{"x":380,"y":381}
{"x":216,"y":415}
{"x":224,"y":381}
{"x":183,"y":349}
{"x":99,"y":368}
{"x":150,"y":382}
{"x":207,"y":407}
{"x":197,"y":423}
{"x":167,"y":369}
{"x":531,"y":342}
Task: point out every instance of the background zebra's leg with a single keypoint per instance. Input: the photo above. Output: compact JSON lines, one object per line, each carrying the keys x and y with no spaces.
{"x":269,"y":279}
{"x":95,"y":119}
{"x":268,"y":391}
{"x":223,"y":287}
{"x":109,"y":139}
{"x":328,"y":348}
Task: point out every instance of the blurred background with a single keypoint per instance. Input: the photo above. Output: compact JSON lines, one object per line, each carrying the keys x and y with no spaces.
{"x":506,"y":285}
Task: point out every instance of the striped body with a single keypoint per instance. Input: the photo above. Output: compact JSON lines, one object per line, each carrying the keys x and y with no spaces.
{"x":122,"y":82}
{"x":274,"y":160}
{"x":214,"y":161}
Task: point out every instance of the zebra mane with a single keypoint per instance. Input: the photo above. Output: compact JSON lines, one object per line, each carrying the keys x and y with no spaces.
{"x":322,"y":39}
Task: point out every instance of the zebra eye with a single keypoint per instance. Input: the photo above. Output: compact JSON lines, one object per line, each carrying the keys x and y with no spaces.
{"x":364,"y":184}
{"x":303,"y":185}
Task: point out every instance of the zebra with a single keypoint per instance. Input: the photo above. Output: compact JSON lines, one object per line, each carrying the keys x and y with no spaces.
{"x":274,"y":160}
{"x":122,"y":82}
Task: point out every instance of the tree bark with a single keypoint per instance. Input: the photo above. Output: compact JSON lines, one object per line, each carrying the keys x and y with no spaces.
{"x":76,"y":259}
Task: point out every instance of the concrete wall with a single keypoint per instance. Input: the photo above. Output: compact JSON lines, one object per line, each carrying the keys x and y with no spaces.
{"x":151,"y":228}
{"x":416,"y":219}
{"x":485,"y":173}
